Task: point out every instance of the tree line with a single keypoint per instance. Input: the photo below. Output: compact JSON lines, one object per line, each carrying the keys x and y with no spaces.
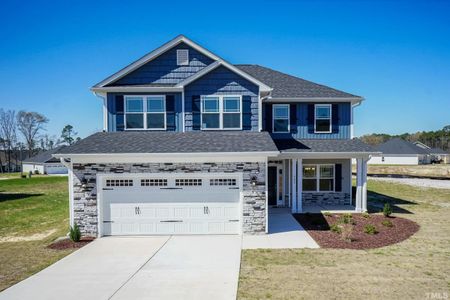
{"x":22,"y":136}
{"x":434,"y":139}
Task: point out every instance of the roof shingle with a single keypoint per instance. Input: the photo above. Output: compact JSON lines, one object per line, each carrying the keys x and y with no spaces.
{"x":172,"y":142}
{"x":288,"y":86}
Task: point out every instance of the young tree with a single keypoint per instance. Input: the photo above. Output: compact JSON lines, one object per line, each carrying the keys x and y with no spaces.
{"x":68,"y":135}
{"x":8,"y":133}
{"x":30,"y":124}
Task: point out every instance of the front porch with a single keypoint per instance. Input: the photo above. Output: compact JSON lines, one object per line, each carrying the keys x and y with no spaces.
{"x":316,"y":183}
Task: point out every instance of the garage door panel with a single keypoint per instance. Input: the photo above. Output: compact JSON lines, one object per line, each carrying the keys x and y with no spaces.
{"x":136,"y":209}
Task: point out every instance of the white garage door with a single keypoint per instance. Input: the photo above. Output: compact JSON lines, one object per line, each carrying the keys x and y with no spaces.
{"x":181,"y":204}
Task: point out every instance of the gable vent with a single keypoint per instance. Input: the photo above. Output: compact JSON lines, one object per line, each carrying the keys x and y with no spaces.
{"x":182,"y":57}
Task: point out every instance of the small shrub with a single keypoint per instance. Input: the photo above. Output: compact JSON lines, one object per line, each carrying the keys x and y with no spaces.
{"x":387,"y":210}
{"x":387,"y":223}
{"x":23,"y":175}
{"x":366,"y":215}
{"x":327,"y":214}
{"x":370,"y":229}
{"x":347,"y":231}
{"x":36,"y":172}
{"x":75,"y":234}
{"x":346,"y":219}
{"x":336,"y":228}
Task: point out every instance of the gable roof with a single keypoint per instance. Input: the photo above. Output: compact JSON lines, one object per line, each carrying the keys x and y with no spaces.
{"x":400,"y":146}
{"x":167,"y":46}
{"x":134,"y":142}
{"x":288,"y":86}
{"x":44,"y":157}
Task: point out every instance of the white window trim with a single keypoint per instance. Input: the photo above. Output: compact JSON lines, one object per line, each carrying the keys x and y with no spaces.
{"x":317,"y":178}
{"x":221,"y":112}
{"x":288,"y":118}
{"x":144,"y":108}
{"x":185,"y":63}
{"x":330,"y":118}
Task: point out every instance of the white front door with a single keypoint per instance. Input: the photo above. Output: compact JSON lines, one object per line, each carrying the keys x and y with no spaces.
{"x":170,"y":204}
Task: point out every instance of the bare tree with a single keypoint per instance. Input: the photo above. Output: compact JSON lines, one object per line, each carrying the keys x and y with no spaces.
{"x":49,"y":142}
{"x":30,"y":124}
{"x":8,"y":133}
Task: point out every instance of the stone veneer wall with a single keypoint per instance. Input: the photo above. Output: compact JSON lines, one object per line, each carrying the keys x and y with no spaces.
{"x":85,"y":188}
{"x":327,"y":198}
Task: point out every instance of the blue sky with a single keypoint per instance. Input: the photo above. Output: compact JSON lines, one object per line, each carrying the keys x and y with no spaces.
{"x":394,"y":53}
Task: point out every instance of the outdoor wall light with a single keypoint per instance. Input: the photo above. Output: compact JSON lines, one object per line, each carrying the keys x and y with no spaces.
{"x":254,"y":180}
{"x":84,"y":183}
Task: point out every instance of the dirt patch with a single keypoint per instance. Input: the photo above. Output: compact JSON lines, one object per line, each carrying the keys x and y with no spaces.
{"x":28,"y":238}
{"x":319,"y":227}
{"x":64,"y":244}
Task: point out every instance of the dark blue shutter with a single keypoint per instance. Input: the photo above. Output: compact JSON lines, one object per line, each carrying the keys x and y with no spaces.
{"x":335,"y":118}
{"x":170,"y":112}
{"x":293,"y":118}
{"x":196,"y":113}
{"x":268,"y":117}
{"x":338,"y":177}
{"x":247,"y":113}
{"x":119,"y":110}
{"x":310,"y":118}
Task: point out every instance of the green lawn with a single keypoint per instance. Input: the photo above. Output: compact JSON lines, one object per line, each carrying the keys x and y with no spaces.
{"x":33,"y":212}
{"x":409,"y":270}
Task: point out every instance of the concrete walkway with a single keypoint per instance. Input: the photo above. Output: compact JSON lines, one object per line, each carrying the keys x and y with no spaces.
{"x":178,"y":267}
{"x":284,"y":232}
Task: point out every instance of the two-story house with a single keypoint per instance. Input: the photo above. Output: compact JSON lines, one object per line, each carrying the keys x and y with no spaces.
{"x":193,"y":144}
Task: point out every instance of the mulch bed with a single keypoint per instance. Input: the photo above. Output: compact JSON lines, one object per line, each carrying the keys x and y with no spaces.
{"x":318,"y":226}
{"x":64,"y":244}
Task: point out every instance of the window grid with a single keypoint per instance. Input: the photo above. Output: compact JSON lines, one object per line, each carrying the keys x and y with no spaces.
{"x":319,"y":169}
{"x":188,"y":182}
{"x":153,"y":182}
{"x":221,"y":111}
{"x":145,"y":111}
{"x":119,"y":182}
{"x":322,"y":118}
{"x":275,"y":117}
{"x":222,"y":182}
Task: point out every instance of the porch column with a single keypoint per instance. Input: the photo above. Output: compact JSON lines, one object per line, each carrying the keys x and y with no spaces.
{"x":358,"y":196}
{"x":294,"y":185}
{"x":364,"y":185}
{"x":299,"y":185}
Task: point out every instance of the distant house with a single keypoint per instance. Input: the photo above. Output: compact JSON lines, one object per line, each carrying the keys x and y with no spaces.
{"x":44,"y":163}
{"x":400,"y":152}
{"x":437,"y":154}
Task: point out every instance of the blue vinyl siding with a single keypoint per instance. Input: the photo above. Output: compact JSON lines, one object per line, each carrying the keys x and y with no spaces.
{"x":115,"y":118}
{"x":164,"y":69}
{"x":222,"y":81}
{"x":303,"y":132}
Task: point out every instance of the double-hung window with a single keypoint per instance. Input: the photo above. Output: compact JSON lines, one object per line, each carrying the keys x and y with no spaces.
{"x":318,"y":178}
{"x":221,"y":112}
{"x":280,"y":118}
{"x":145,"y":112}
{"x":322,"y":118}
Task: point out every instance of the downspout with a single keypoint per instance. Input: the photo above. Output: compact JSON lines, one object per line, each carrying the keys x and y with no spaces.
{"x":105,"y":110}
{"x":351,"y":118}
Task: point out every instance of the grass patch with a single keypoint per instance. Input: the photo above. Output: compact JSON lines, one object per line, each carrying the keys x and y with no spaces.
{"x":412,"y":268}
{"x":28,"y":207}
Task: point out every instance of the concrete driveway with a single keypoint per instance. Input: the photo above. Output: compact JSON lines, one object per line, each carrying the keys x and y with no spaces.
{"x":169,"y":267}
